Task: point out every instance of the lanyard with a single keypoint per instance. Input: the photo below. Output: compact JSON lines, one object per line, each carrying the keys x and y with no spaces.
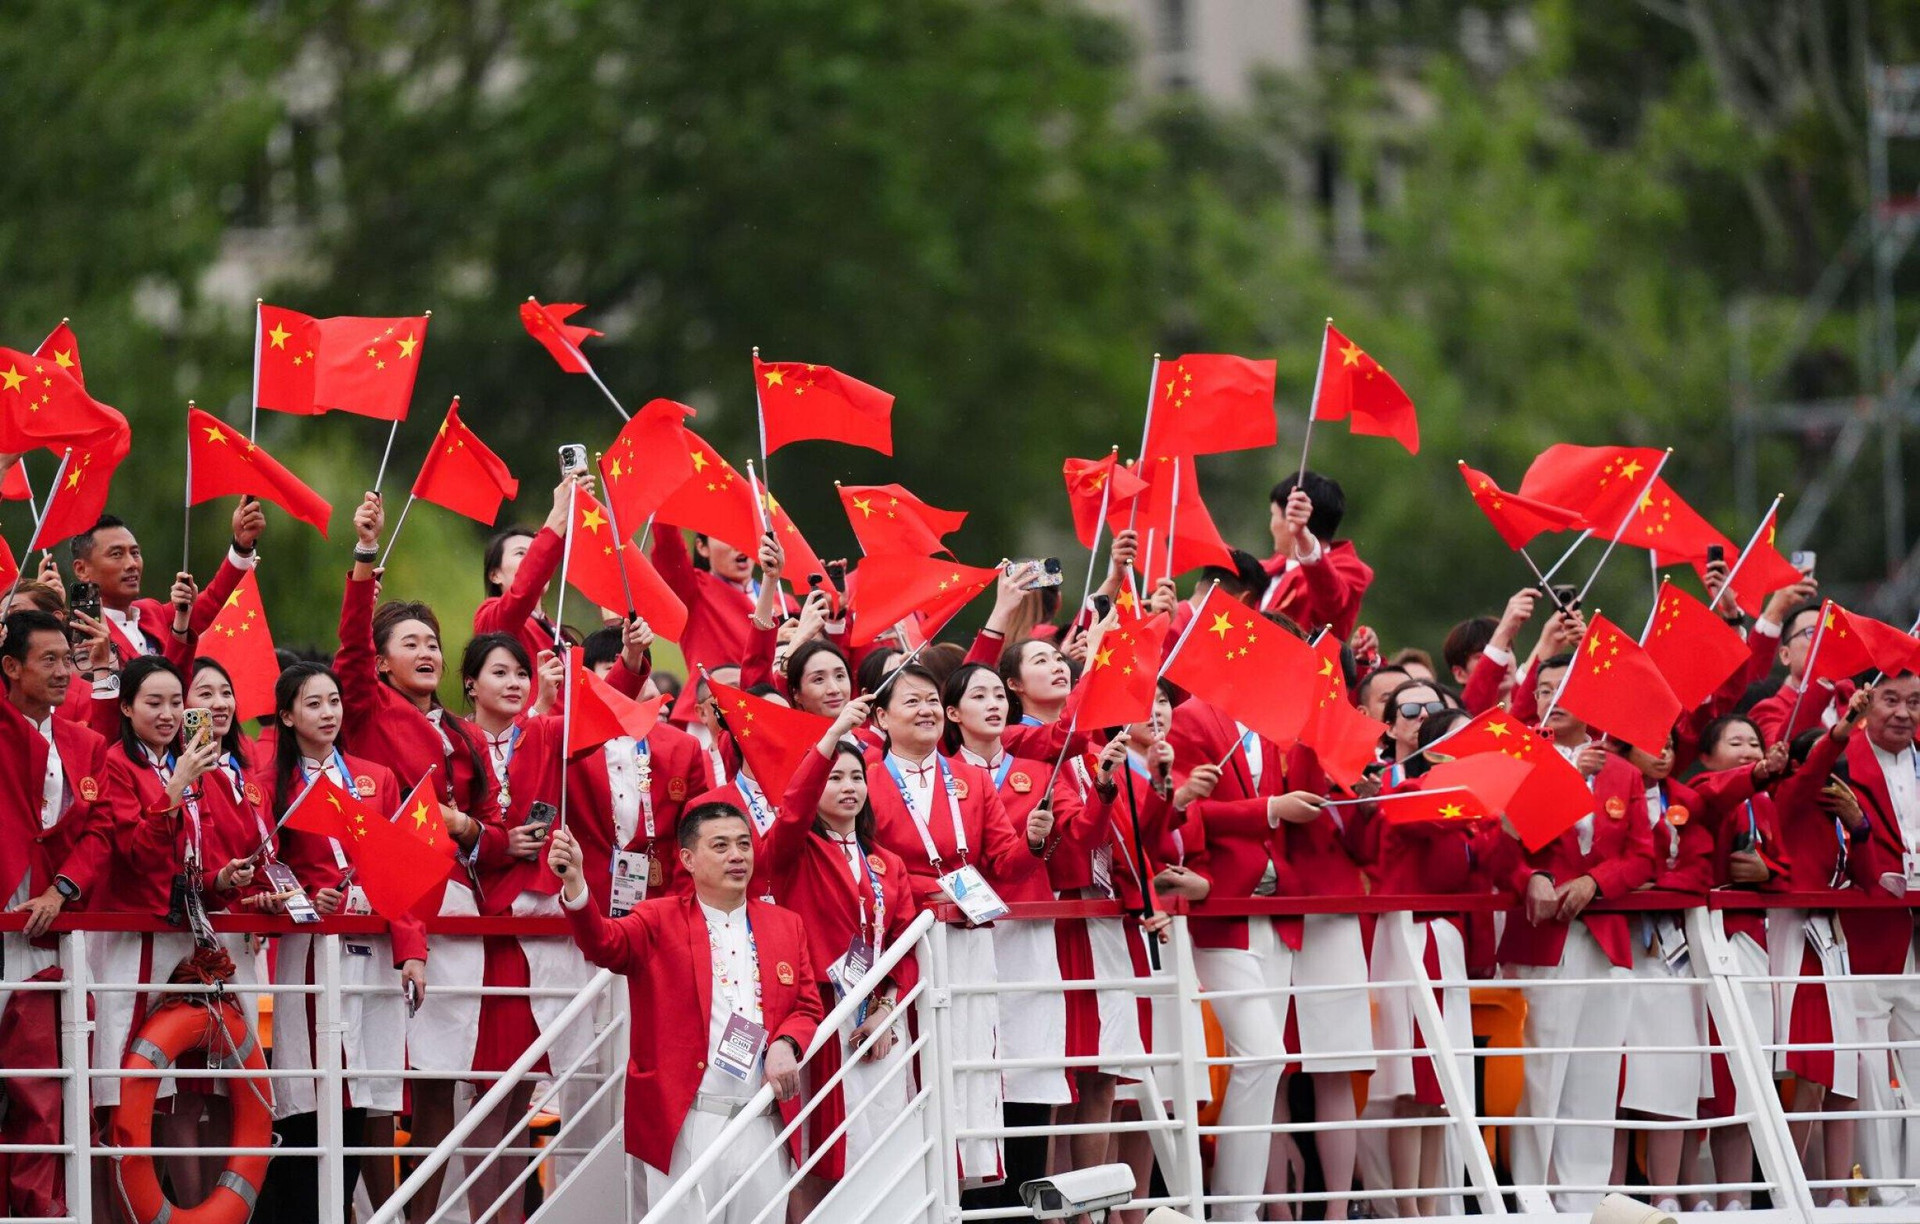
{"x":1001,"y":770}
{"x":503,"y":760}
{"x":722,"y":981}
{"x":749,"y":790}
{"x":346,"y":784}
{"x":1028,"y":720}
{"x":920,"y":826}
{"x":865,"y":862}
{"x":189,"y":799}
{"x":238,"y":779}
{"x":643,"y":762}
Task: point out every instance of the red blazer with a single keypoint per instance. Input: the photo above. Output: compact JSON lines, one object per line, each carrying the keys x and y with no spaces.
{"x":719,"y":614}
{"x":993,"y":845}
{"x":1084,"y":822}
{"x":1877,"y":940}
{"x":156,"y":623}
{"x":678,"y":771}
{"x":1328,"y":592}
{"x":311,"y":856}
{"x":1733,"y":808}
{"x":518,"y":611}
{"x":662,"y":949}
{"x":1770,"y":714}
{"x":386,"y":728}
{"x":1019,"y":792}
{"x":75,"y":847}
{"x":1620,"y":861}
{"x":149,"y":837}
{"x":1682,"y":842}
{"x":811,"y":878}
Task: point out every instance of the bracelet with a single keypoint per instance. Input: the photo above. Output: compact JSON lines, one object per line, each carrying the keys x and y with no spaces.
{"x":246,"y":551}
{"x":366,"y":556}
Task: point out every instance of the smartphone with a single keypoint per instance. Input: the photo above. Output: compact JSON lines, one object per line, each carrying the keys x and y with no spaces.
{"x":1742,"y":841}
{"x":1716,"y":552}
{"x":1566,"y":595}
{"x":1802,"y":560}
{"x":196,"y":726}
{"x":84,"y":597}
{"x":1101,"y":606}
{"x":573,"y":459}
{"x":540,"y":819}
{"x":1050,"y":575}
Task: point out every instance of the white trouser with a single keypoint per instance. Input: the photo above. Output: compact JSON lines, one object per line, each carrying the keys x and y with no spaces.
{"x":1594,"y":1016}
{"x":1254,"y":1026}
{"x":758,"y":1185}
{"x":1889,"y":1011}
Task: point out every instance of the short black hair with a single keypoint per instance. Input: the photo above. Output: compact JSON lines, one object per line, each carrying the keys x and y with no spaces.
{"x":1247,"y":577}
{"x":691,"y":821}
{"x":1366,"y":682}
{"x":1329,"y":502}
{"x":22,"y":624}
{"x":1466,"y":640}
{"x":1563,"y":659}
{"x":1798,"y":611}
{"x":82,"y":545}
{"x":603,"y":645}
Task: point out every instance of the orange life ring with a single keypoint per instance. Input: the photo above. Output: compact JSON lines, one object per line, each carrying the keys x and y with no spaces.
{"x":221,"y":1030}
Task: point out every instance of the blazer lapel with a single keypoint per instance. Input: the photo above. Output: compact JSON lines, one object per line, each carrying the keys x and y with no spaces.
{"x":699,"y":953}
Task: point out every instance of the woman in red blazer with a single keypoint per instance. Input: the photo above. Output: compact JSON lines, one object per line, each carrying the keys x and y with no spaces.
{"x":853,"y":896}
{"x":308,"y":713}
{"x":177,"y":841}
{"x":517,"y":569}
{"x":390,"y":666}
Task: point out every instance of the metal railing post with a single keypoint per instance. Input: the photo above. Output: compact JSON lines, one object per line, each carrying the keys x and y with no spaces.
{"x":1190,"y":1073}
{"x":941,"y":1153}
{"x":1748,"y":1062}
{"x":76,"y":1040}
{"x":936,"y":1007}
{"x":329,"y":1060}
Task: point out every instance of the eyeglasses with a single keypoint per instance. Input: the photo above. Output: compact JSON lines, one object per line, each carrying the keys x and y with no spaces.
{"x":1414,"y":709}
{"x":1797,"y":634}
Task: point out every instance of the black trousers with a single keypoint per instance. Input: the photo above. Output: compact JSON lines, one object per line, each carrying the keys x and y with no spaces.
{"x":291,"y":1192}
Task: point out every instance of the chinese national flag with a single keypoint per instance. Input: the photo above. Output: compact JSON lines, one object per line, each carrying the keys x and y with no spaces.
{"x":461,"y":474}
{"x":1665,"y":524}
{"x":1761,"y":572}
{"x":1552,"y":797}
{"x":1251,"y":668}
{"x":1342,"y":736}
{"x":78,"y":496}
{"x":648,"y":461}
{"x":715,"y":501}
{"x":1465,"y":788}
{"x":800,"y":401}
{"x":1694,"y":649}
{"x":238,"y":639}
{"x":773,"y":738}
{"x":43,"y":407}
{"x":9,"y":568}
{"x":1087,"y":481}
{"x":1119,"y":684}
{"x":1518,"y":519}
{"x":888,"y":519}
{"x":1353,"y":387}
{"x":419,"y":815}
{"x":598,"y":712}
{"x":347,"y":363}
{"x":221,"y":462}
{"x":13,"y":483}
{"x":548,"y":324}
{"x":1206,"y":403}
{"x":400,"y":872}
{"x":1599,"y":483}
{"x":894,"y":586}
{"x":593,"y":568}
{"x":1614,"y":685}
{"x":62,"y":347}
{"x":1849,"y":643}
{"x":1196,"y":540}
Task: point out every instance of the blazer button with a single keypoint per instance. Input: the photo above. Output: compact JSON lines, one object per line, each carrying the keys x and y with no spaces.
{"x":701,"y":1065}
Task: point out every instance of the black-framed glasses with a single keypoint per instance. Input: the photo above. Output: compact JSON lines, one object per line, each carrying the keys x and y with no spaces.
{"x":1414,"y":709}
{"x":1797,"y":634}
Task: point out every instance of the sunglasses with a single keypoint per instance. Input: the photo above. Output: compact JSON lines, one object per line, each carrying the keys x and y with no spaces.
{"x":1414,"y":709}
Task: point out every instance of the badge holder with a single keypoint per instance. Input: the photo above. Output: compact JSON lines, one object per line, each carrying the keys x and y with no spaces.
{"x":299,"y":905}
{"x":969,"y":890}
{"x":851,"y":969}
{"x":631,"y":876}
{"x":741,"y":1044}
{"x":355,"y":905}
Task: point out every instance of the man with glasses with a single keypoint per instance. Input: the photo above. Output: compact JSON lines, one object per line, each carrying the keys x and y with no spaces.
{"x":1798,"y":611}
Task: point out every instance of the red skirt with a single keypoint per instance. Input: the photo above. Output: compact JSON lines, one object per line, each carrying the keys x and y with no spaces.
{"x":507,"y":1027}
{"x":1811,"y":1021}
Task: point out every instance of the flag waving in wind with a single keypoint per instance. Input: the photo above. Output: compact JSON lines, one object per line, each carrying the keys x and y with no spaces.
{"x":461,"y":474}
{"x":222,"y":462}
{"x":799,"y":400}
{"x":1205,"y":403}
{"x":548,"y":324}
{"x":1355,"y":388}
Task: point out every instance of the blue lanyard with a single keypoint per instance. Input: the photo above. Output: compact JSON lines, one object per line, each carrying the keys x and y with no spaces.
{"x":953,"y":810}
{"x":1753,"y":822}
{"x":750,"y":791}
{"x":1028,"y":720}
{"x":1000,"y":772}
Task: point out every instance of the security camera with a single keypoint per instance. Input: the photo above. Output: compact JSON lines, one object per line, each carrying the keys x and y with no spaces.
{"x":1094,"y":1192}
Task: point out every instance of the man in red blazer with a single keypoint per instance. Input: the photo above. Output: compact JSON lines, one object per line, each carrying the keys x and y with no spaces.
{"x":1551,"y":936}
{"x":1823,"y":706}
{"x":1316,"y":580}
{"x":699,"y":1057}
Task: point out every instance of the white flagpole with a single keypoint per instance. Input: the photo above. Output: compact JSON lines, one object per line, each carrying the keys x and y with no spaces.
{"x":566,"y":562}
{"x":1173,"y":518}
{"x":39,"y":522}
{"x":394,"y":538}
{"x":387,"y":454}
{"x":1140,"y":458}
{"x":1625,"y":519}
{"x":759,"y":504}
{"x":580,"y":357}
{"x":1806,"y":673}
{"x":619,"y":541}
{"x":760,"y":418}
{"x":253,"y":409}
{"x":1752,"y":540}
{"x":186,"y":527}
{"x":1313,"y":405}
{"x":1198,"y":609}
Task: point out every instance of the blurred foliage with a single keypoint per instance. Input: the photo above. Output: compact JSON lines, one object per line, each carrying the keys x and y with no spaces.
{"x":971,"y":203}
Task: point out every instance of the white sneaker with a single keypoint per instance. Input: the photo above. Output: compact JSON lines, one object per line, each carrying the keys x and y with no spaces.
{"x":1669,"y":1205}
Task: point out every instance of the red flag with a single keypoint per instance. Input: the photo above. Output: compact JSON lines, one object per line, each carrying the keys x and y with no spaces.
{"x":648,"y":461}
{"x":1257,"y":672}
{"x":1492,"y":778}
{"x":398,"y":870}
{"x":1694,"y":649}
{"x":461,"y":474}
{"x":548,"y":324}
{"x":1206,"y":403}
{"x":419,"y":815}
{"x":1119,"y":683}
{"x":1342,"y":736}
{"x":1552,"y":797}
{"x":715,"y":501}
{"x":598,"y":712}
{"x":888,"y":519}
{"x":347,"y":363}
{"x":1667,"y":525}
{"x":1087,"y":481}
{"x":1762,"y":572}
{"x":9,"y":568}
{"x":1599,"y":483}
{"x":77,"y":498}
{"x":1353,"y":387}
{"x":1849,"y":643}
{"x":800,"y":401}
{"x":63,"y":347}
{"x":1518,"y":519}
{"x":43,"y":407}
{"x":1612,"y":684}
{"x":593,"y":569}
{"x":1196,"y":541}
{"x":773,"y":738}
{"x":891,"y":587}
{"x":13,"y":483}
{"x":239,"y":640}
{"x":221,"y":462}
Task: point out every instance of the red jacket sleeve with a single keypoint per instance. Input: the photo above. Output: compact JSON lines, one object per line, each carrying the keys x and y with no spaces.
{"x":355,"y":662}
{"x":757,"y":667}
{"x":986,"y":648}
{"x":787,"y":839}
{"x":507,"y":613}
{"x":1335,"y":585}
{"x":628,"y":682}
{"x":1482,"y":692}
{"x":675,"y":563}
{"x":620,"y":943}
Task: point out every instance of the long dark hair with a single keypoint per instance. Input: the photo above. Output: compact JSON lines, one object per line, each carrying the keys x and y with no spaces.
{"x":286,"y":748}
{"x":955,"y":689}
{"x":230,"y":743}
{"x":864,"y":830}
{"x":497,"y":552}
{"x":874,"y":668}
{"x":137,"y":673}
{"x":1011,"y":656}
{"x":802,"y":655}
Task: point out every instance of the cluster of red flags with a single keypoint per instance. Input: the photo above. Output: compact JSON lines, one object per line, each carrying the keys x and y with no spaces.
{"x":594,"y":565}
{"x":1847,"y":644}
{"x":44,"y":405}
{"x":402,"y":863}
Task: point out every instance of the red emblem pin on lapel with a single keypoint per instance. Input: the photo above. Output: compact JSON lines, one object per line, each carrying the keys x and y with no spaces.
{"x":878,"y":864}
{"x":959,"y":788}
{"x":1616,"y":807}
{"x":363,"y":784}
{"x":1677,"y":815}
{"x":1020,"y":782}
{"x":677,"y":789}
{"x":89,"y":789}
{"x":252,"y":790}
{"x":784,"y":972}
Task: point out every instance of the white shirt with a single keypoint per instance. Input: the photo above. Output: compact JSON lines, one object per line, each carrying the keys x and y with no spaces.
{"x":922,"y":779}
{"x":128,"y":623}
{"x":623,"y":787}
{"x":54,"y":785}
{"x":1583,"y":827}
{"x":732,"y":959}
{"x":1256,"y":756}
{"x":1903,"y":784}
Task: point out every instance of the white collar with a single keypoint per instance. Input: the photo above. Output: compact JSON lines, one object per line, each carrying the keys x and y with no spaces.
{"x":973,"y":758}
{"x":724,"y":917}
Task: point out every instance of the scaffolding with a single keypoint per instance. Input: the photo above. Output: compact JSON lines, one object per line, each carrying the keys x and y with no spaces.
{"x":1861,"y":272}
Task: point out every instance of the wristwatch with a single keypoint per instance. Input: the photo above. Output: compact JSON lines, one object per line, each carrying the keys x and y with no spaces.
{"x":67,"y":889}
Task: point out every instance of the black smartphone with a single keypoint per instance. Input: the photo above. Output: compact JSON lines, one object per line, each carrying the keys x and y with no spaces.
{"x":540,"y":818}
{"x":1716,"y":552}
{"x":837,"y":571}
{"x":1742,"y":841}
{"x":84,"y":597}
{"x":1566,"y":595}
{"x":1101,"y":606}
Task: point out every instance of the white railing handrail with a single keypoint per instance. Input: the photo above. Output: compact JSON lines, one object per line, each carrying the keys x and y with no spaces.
{"x":828,"y":1030}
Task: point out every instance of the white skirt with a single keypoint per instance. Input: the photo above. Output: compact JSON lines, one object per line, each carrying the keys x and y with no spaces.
{"x":1394,"y":1026}
{"x":1032,"y":1024}
{"x":1664,"y":1085}
{"x":374,"y":1023}
{"x":1336,"y":1026}
{"x":1119,"y":1009}
{"x":555,"y":962}
{"x":974,"y":1022}
{"x":442,"y":1035}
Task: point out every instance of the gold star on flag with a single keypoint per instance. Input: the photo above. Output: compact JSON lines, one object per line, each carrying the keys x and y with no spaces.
{"x":864,"y":506}
{"x":1351,"y":354}
{"x":592,"y":519}
{"x":1221,"y":623}
{"x":419,"y":814}
{"x":774,"y":379}
{"x":1452,"y":811}
{"x":63,"y":358}
{"x":407,"y":345}
{"x":13,"y":378}
{"x":699,"y":461}
{"x":1103,"y":658}
{"x":279,"y":336}
{"x":1632,"y":469}
{"x":215,"y":434}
